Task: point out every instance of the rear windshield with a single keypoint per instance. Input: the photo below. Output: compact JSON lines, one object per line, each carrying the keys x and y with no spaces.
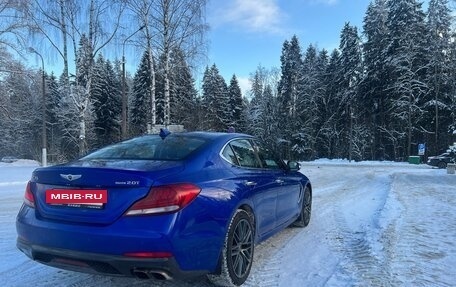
{"x":150,"y":147}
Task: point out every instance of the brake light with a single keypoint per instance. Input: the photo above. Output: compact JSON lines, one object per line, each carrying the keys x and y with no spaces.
{"x":164,"y":199}
{"x":28,"y":197}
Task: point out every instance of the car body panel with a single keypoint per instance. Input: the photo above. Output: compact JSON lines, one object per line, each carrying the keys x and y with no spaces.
{"x":289,"y":197}
{"x":194,"y":235}
{"x":124,"y":187}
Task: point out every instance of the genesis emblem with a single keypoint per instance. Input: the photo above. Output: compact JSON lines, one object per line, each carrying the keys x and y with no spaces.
{"x":71,"y":177}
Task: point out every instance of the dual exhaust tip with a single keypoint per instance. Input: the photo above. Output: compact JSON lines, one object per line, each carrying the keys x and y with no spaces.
{"x":151,"y":274}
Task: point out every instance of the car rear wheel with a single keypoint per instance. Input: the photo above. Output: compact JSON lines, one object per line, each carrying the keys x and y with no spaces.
{"x":442,"y":164}
{"x":237,"y":254}
{"x":306,"y":209}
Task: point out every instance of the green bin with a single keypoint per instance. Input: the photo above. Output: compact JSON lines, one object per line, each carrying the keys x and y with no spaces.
{"x":414,"y":159}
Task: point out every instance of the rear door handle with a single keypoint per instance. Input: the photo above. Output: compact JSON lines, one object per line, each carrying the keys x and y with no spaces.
{"x":280,"y":181}
{"x":250,"y":183}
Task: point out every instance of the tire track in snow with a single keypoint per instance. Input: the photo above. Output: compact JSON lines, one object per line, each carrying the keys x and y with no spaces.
{"x":411,"y":250}
{"x":356,"y":236}
{"x":421,"y":252}
{"x":266,"y":266}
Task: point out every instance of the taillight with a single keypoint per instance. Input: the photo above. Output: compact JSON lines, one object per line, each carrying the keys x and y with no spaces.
{"x":28,"y":197}
{"x":163,"y":199}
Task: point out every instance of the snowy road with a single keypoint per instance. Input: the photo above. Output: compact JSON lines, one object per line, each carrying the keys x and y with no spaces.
{"x":373,"y":224}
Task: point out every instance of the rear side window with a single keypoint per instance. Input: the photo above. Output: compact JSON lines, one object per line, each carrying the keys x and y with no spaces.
{"x":173,"y":147}
{"x":228,"y":154}
{"x":268,"y":160}
{"x":245,"y":154}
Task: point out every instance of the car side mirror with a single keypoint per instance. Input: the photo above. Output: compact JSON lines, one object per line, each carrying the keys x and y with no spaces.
{"x":293,"y":165}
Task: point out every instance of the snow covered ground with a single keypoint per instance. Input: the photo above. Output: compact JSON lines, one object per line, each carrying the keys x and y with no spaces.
{"x":373,"y":224}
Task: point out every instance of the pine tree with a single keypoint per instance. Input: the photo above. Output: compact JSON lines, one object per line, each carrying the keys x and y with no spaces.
{"x":99,"y":98}
{"x":373,"y":88}
{"x":160,"y":91}
{"x":304,"y":137}
{"x":54,"y":133}
{"x":262,"y":116}
{"x":236,"y":105}
{"x":436,"y":102}
{"x":452,"y":88}
{"x":330,"y":137}
{"x":255,"y":108}
{"x":319,"y":102}
{"x":21,"y":128}
{"x":290,"y":82}
{"x":182,"y":92}
{"x":350,"y":77}
{"x":406,"y":69}
{"x":140,"y":97}
{"x":215,"y":100}
{"x":289,"y":91}
{"x":106,"y":101}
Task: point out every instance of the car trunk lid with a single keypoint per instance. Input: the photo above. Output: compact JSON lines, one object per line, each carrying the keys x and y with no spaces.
{"x":123,"y":182}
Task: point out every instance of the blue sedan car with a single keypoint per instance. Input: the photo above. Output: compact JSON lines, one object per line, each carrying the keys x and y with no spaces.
{"x":174,"y":205}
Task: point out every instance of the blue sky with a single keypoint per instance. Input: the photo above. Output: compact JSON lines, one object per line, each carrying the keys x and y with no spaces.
{"x":246,"y":33}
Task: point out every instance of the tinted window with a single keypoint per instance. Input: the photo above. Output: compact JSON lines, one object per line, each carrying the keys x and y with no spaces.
{"x":245,"y":153}
{"x":268,"y":160}
{"x":150,"y":148}
{"x":228,"y":154}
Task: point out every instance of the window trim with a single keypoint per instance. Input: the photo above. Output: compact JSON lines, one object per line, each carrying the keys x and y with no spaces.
{"x":227,"y":145}
{"x":251,"y":141}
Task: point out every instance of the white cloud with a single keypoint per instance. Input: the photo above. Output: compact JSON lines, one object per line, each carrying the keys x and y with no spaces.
{"x":244,"y":84}
{"x":326,"y":2}
{"x":252,"y":15}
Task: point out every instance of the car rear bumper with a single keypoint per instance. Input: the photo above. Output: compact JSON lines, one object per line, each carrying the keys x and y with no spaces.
{"x":194,"y":248}
{"x":114,"y":265}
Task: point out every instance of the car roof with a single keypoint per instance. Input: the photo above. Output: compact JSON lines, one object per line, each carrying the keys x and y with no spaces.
{"x":212,"y":135}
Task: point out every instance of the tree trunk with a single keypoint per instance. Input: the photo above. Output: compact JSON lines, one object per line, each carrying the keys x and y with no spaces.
{"x":409,"y":124}
{"x":167,"y":93}
{"x":437,"y":146}
{"x":65,"y":43}
{"x":166,"y":44}
{"x":153,"y":109}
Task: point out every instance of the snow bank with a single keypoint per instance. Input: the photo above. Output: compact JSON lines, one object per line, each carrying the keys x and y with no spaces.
{"x":327,"y":161}
{"x":21,"y":162}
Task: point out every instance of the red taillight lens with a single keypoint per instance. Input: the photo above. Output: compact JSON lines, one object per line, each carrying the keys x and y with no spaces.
{"x":149,"y":254}
{"x":163,"y":199}
{"x":28,"y":197}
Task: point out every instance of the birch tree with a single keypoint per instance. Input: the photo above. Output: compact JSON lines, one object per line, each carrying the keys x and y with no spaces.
{"x":142,"y":11}
{"x":180,"y":25}
{"x":104,"y":19}
{"x":47,"y":20}
{"x":12,"y":24}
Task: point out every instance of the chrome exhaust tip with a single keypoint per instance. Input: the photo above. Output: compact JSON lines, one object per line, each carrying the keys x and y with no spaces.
{"x":151,"y":274}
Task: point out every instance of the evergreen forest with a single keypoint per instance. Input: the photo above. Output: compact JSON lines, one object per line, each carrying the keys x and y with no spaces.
{"x":389,"y":86}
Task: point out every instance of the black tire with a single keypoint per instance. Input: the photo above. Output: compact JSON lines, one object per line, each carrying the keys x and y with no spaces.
{"x":442,"y":164}
{"x":237,"y":254}
{"x":306,"y":209}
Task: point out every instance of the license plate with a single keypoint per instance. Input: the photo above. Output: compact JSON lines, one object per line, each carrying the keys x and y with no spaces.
{"x":94,"y":198}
